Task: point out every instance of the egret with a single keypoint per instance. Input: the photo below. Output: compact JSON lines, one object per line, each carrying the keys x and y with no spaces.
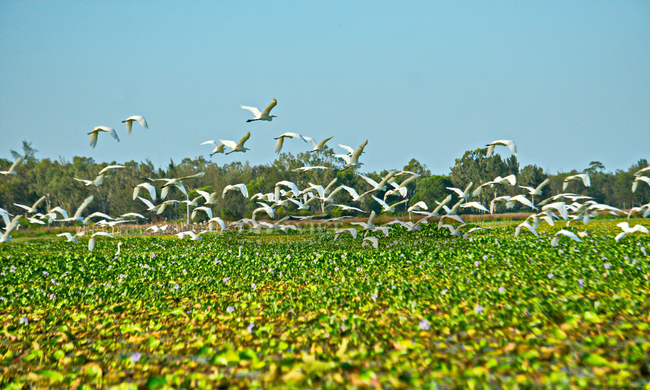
{"x":91,"y":242}
{"x":538,"y":190}
{"x":146,"y":186}
{"x":527,"y":226}
{"x":210,"y":198}
{"x":77,"y":214}
{"x":97,"y":182}
{"x":216,"y":148}
{"x":639,"y":179}
{"x":370,"y":240}
{"x":317,"y":146}
{"x":556,"y":240}
{"x":70,"y":238}
{"x":135,"y":215}
{"x":111,"y":167}
{"x":280,"y":140}
{"x":476,"y":205}
{"x":219,"y":221}
{"x":454,"y":231}
{"x":237,"y":146}
{"x":640,"y":171}
{"x":129,"y":122}
{"x":351,"y":231}
{"x":626,"y":229}
{"x":366,"y":225}
{"x":266,"y":208}
{"x":239,"y":187}
{"x":582,"y":176}
{"x":462,"y":194}
{"x":13,"y":225}
{"x":510,"y":144}
{"x":353,"y":193}
{"x":306,"y":169}
{"x":352,"y":161}
{"x":291,"y":185}
{"x":386,"y":207}
{"x":93,"y":134}
{"x":12,"y":168}
{"x":33,"y":208}
{"x":206,"y":210}
{"x":264,"y":115}
{"x":418,"y":206}
{"x":194,"y":236}
{"x":178,"y":182}
{"x":346,"y":208}
{"x":401,"y":187}
{"x":378,"y":186}
{"x":521,"y":199}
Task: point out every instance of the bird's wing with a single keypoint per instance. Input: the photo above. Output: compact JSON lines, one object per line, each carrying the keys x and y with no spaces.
{"x":86,"y":182}
{"x":93,"y":139}
{"x":370,"y":181}
{"x":254,"y":110}
{"x":323,"y":142}
{"x":268,"y":108}
{"x":111,"y":167}
{"x":113,"y":133}
{"x":545,"y":182}
{"x":456,"y":190}
{"x":129,"y":125}
{"x":243,"y":140}
{"x":278,"y":145}
{"x":349,"y":149}
{"x":102,"y":234}
{"x":344,"y":157}
{"x":15,"y":164}
{"x":141,"y":121}
{"x":230,"y":144}
{"x":200,"y":174}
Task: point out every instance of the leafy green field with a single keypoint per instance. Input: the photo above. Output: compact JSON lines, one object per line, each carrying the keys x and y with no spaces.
{"x":301,"y":310}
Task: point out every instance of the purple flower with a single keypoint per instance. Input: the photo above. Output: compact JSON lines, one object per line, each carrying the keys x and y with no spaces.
{"x":176,"y":287}
{"x":374,"y":297}
{"x":607,"y":266}
{"x":485,"y":257}
{"x":581,"y":282}
{"x":358,"y":269}
{"x":444,"y":291}
{"x":270,"y":270}
{"x":424,"y":325}
{"x":230,"y":309}
{"x":502,"y":289}
{"x":52,"y":297}
{"x":336,"y":269}
{"x":478,"y":308}
{"x":135,"y":357}
{"x":476,"y":263}
{"x":253,"y":286}
{"x":45,"y":273}
{"x":250,"y":328}
{"x":550,"y":276}
{"x":226,"y":279}
{"x":23,"y":320}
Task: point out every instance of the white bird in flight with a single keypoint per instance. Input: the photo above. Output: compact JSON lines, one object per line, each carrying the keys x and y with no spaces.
{"x":216,"y":148}
{"x":91,"y":242}
{"x":584,"y":176}
{"x":129,"y":122}
{"x":503,"y":142}
{"x":93,"y":134}
{"x":639,"y":179}
{"x":240,"y":187}
{"x":627,"y":230}
{"x":280,"y":140}
{"x":237,"y":146}
{"x":264,"y":115}
{"x":317,"y":146}
{"x":12,"y":168}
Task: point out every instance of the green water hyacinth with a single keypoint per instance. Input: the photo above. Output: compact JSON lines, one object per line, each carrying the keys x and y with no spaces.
{"x":305,"y":310}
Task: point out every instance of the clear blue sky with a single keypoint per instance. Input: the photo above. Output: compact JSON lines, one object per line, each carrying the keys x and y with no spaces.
{"x":569,"y":82}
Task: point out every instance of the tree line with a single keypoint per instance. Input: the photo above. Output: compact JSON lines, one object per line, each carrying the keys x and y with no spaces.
{"x":55,"y":179}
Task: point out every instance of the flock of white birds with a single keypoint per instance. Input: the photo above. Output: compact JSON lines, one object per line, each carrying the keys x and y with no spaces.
{"x":567,"y":207}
